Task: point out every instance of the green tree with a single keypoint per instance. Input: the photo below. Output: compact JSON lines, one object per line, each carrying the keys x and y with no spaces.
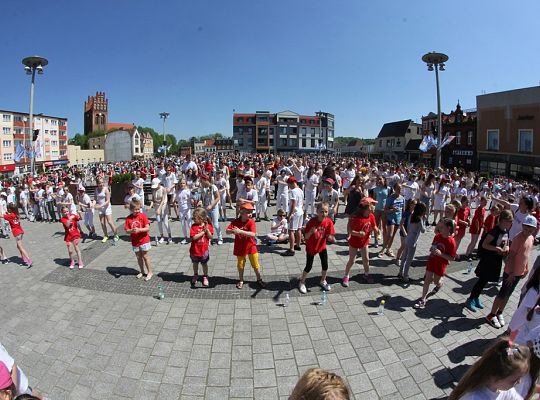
{"x":79,"y":140}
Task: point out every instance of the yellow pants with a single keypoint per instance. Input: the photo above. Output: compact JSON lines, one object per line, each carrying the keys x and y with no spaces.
{"x":253,"y":260}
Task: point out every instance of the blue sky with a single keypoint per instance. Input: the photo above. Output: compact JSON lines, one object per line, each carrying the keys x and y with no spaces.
{"x":201,"y":59}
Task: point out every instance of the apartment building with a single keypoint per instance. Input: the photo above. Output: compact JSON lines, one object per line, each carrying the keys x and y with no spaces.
{"x":284,"y":131}
{"x":50,"y":145}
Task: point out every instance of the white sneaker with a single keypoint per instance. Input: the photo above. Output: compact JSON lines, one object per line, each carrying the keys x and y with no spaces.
{"x":500,"y":317}
{"x":220,"y":242}
{"x":183,"y":241}
{"x":325,"y":286}
{"x":302,"y":288}
{"x":161,"y":241}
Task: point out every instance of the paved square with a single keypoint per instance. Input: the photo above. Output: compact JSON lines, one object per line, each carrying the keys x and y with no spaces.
{"x":100,"y":333}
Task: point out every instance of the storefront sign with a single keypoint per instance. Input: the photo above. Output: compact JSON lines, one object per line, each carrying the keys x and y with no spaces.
{"x":463,"y":152}
{"x":7,"y":168}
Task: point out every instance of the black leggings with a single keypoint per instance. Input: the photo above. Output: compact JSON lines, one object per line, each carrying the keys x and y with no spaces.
{"x":478,"y":287}
{"x":323,"y":255}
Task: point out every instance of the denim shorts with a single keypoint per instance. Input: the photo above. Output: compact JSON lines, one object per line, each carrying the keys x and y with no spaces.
{"x":142,"y":247}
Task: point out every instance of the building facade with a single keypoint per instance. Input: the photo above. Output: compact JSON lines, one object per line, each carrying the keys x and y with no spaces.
{"x":128,"y":144}
{"x":82,"y":157}
{"x":393,"y":138}
{"x":507,"y":122}
{"x":224,"y":146}
{"x":460,"y":152}
{"x":50,"y":144}
{"x":96,"y":113}
{"x":285,"y":131}
{"x":207,"y":146}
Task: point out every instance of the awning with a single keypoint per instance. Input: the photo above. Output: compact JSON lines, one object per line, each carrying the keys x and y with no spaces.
{"x":7,"y":168}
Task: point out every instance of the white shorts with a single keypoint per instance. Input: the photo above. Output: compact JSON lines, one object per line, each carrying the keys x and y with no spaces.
{"x":142,"y":247}
{"x":105,"y":211}
{"x":296,"y":222}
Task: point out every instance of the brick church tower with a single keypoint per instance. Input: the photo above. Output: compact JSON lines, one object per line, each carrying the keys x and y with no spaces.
{"x":96,"y":113}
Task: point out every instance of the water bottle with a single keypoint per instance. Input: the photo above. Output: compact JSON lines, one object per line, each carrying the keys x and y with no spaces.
{"x":380,"y":311}
{"x":161,"y":293}
{"x":287,"y":300}
{"x":469,"y":267}
{"x":324,"y":298}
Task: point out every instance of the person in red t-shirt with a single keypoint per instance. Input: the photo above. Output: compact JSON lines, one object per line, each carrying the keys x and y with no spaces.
{"x":319,"y":230}
{"x":244,"y":230}
{"x":72,"y":236}
{"x":476,"y":227}
{"x":463,"y":220}
{"x":359,"y":229}
{"x":201,"y":233}
{"x":12,"y":217}
{"x":138,"y":225}
{"x":443,"y":250}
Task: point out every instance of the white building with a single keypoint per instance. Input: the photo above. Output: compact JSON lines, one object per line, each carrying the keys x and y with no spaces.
{"x":128,"y":144}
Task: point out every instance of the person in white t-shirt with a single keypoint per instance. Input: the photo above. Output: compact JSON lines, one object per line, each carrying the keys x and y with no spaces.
{"x":86,"y":205}
{"x":138,"y":182}
{"x":278,"y":229}
{"x":295,"y":215}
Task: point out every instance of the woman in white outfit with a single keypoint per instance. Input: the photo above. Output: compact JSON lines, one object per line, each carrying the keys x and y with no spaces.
{"x":160,"y":206}
{"x":87,"y":205}
{"x":282,"y":190}
{"x":103,"y":205}
{"x":183,"y":198}
{"x":310,"y":191}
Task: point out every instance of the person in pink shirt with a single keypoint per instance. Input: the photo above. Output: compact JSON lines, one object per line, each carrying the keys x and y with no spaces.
{"x":516,"y":268}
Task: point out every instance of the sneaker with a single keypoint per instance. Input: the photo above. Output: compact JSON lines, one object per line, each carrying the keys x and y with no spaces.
{"x":72,"y":264}
{"x":169,"y":241}
{"x":368,"y":278}
{"x":500,"y":317}
{"x":116,"y":238}
{"x":297,"y":248}
{"x":478,"y":303}
{"x":28,"y":264}
{"x":220,"y":242}
{"x":5,"y":261}
{"x":493,"y":321}
{"x":104,"y":240}
{"x":81,"y":265}
{"x":288,"y":253}
{"x":183,"y":241}
{"x":205,"y":282}
{"x":390,"y":254}
{"x":499,"y":284}
{"x":161,"y":241}
{"x":405,"y":279}
{"x":420,"y":304}
{"x":325,"y":286}
{"x":345,"y":282}
{"x":194,"y":280}
{"x":471,"y":304}
{"x":302,"y":287}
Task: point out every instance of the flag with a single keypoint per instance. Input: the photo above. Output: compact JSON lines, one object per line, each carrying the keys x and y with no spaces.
{"x":161,"y":148}
{"x":19,"y":152}
{"x":447,"y":140}
{"x":427,"y":143}
{"x":38,"y":149}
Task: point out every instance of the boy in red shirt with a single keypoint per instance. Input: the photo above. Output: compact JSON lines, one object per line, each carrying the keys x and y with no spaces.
{"x":201,"y":232}
{"x":359,"y":229}
{"x":72,"y":236}
{"x":443,"y":250}
{"x":244,"y":230}
{"x":138,"y":225}
{"x":319,"y":230}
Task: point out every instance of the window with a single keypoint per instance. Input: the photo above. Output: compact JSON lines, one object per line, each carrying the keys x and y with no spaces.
{"x":6,"y":144}
{"x":54,"y":143}
{"x":304,"y":143}
{"x":47,"y":131}
{"x":458,"y":137}
{"x":18,"y":131}
{"x":313,"y":143}
{"x":493,"y":139}
{"x":312,"y":132}
{"x":8,"y":156}
{"x":282,"y":130}
{"x":283,"y":142}
{"x":293,"y":142}
{"x":469,"y":138}
{"x":55,"y":153}
{"x":62,"y":142}
{"x":6,"y":130}
{"x":525,"y":140}
{"x":6,"y":118}
{"x":303,"y":131}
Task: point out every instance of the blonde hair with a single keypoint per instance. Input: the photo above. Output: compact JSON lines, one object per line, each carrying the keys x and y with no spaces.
{"x":500,"y":361}
{"x":319,"y":384}
{"x":200,"y":214}
{"x":135,"y":203}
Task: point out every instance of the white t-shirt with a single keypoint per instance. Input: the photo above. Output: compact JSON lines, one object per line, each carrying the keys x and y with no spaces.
{"x":169,"y":181}
{"x":526,"y":329}
{"x":183,"y":197}
{"x":298,"y":196}
{"x":518,"y":220}
{"x":409,"y":190}
{"x":280,"y":228}
{"x":299,"y":173}
{"x":138,"y":182}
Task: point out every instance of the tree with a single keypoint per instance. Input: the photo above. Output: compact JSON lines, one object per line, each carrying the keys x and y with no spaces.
{"x":79,"y":140}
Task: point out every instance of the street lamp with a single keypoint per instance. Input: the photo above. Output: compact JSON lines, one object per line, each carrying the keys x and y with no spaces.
{"x":164,"y":115}
{"x":31,"y":66}
{"x":435,"y":61}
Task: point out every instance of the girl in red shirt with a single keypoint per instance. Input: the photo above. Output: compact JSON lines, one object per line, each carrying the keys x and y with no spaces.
{"x":359,"y":229}
{"x":443,"y":250}
{"x":201,"y":233}
{"x":12,"y":217}
{"x":244,"y":230}
{"x":319,"y":230}
{"x":72,"y":236}
{"x":476,"y":227}
{"x":463,"y":220}
{"x":138,"y":225}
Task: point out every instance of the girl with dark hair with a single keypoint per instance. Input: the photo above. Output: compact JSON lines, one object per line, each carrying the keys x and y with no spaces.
{"x":12,"y":217}
{"x":414,"y":228}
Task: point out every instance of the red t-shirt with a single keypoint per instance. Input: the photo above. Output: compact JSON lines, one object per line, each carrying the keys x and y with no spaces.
{"x":137,"y":221}
{"x":71,"y":232}
{"x":317,"y":242}
{"x":244,"y":245}
{"x":200,"y":246}
{"x":447,"y":246}
{"x":362,"y":224}
{"x":14,"y":223}
{"x":463,"y":214}
{"x":478,"y":221}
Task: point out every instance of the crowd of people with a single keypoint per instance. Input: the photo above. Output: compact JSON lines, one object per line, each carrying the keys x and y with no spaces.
{"x":216,"y":195}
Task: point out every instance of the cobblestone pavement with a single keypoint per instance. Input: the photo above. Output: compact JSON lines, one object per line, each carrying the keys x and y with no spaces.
{"x":99,"y":333}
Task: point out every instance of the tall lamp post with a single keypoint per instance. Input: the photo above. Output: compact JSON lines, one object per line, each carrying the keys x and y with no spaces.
{"x":164,"y":115}
{"x":31,"y":65}
{"x":435,"y":61}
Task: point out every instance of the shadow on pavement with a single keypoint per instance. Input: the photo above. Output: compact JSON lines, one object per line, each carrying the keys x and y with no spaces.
{"x":117,"y":272}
